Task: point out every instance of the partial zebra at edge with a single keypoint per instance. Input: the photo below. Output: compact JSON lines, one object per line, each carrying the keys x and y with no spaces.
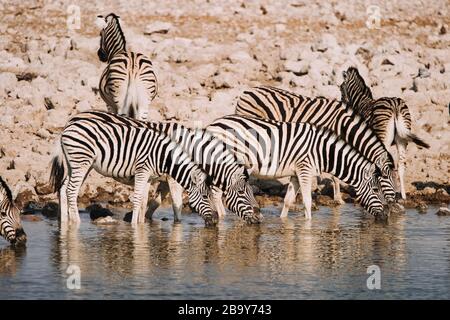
{"x":10,"y":223}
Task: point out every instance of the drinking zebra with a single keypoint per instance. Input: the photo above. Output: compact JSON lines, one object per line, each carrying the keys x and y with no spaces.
{"x":123,"y":151}
{"x":128,"y":83}
{"x":281,"y":105}
{"x":388,"y":117}
{"x":228,"y":176}
{"x":10,"y":224}
{"x":274,"y":149}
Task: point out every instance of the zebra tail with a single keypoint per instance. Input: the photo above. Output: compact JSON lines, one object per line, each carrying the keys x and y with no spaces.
{"x":58,"y":171}
{"x":412,"y":137}
{"x":404,"y":135}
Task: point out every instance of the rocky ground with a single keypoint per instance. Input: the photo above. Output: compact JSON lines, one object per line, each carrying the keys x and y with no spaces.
{"x":205,"y":53}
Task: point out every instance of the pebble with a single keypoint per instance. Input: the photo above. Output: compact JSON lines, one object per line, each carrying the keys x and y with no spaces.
{"x":443,"y":211}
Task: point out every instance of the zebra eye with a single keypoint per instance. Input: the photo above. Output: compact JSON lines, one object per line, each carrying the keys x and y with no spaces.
{"x":3,"y":213}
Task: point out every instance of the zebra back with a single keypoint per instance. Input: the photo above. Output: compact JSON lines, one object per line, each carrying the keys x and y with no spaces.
{"x":281,"y":105}
{"x":121,"y":147}
{"x":204,"y":149}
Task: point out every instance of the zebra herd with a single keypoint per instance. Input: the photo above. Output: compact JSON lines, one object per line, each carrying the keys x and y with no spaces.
{"x":274,"y":134}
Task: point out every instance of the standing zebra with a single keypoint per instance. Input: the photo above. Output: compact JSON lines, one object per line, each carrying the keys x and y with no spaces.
{"x":280,"y":105}
{"x":123,"y":151}
{"x":284,"y":149}
{"x":10,"y":224}
{"x":128,"y":83}
{"x":388,"y":117}
{"x":211,"y":155}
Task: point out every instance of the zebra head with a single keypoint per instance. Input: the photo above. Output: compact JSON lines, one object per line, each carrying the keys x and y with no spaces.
{"x":239,"y":197}
{"x":10,"y":224}
{"x":200,"y":196}
{"x":112,"y":39}
{"x":385,"y":163}
{"x":367,"y":192}
{"x":353,"y":89}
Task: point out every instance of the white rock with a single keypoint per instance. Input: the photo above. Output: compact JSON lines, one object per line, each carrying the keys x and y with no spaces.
{"x":105,"y":220}
{"x":43,"y":133}
{"x":280,"y":27}
{"x":8,"y":81}
{"x":56,"y":119}
{"x":224,"y":80}
{"x":240,"y":57}
{"x":158,"y":27}
{"x":297,"y":67}
{"x":83,"y":106}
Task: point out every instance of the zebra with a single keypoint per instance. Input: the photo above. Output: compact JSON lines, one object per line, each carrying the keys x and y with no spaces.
{"x":10,"y":224}
{"x":274,"y":149}
{"x":389,"y":117}
{"x":123,"y":151}
{"x":128,"y":84}
{"x":228,"y":176}
{"x":281,"y":105}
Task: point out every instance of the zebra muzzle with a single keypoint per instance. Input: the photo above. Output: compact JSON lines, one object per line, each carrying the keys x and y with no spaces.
{"x":20,"y":237}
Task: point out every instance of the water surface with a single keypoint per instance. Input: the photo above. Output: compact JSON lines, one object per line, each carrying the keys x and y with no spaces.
{"x":279,"y":259}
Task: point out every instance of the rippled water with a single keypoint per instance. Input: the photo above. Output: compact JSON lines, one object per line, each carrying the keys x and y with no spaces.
{"x":292,"y":259}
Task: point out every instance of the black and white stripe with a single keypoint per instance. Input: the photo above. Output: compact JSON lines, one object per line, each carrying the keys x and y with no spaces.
{"x":388,"y":117}
{"x":228,"y":176}
{"x":128,"y":83}
{"x":281,"y":105}
{"x":10,"y":224}
{"x":290,"y":149}
{"x":123,"y":151}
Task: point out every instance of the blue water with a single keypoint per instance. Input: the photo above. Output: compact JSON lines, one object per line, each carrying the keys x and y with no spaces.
{"x":292,"y":259}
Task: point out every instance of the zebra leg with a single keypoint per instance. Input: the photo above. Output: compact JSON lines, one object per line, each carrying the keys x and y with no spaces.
{"x":141,"y":217}
{"x":176,"y":192}
{"x":154,"y":202}
{"x":218,"y":203}
{"x":77,"y":176}
{"x":401,"y":148}
{"x":305,"y":180}
{"x":337,"y":191}
{"x":63,"y":213}
{"x":140,"y":187}
{"x":290,"y":196}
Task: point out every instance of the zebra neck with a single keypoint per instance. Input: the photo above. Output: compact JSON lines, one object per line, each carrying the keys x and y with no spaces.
{"x":178,"y":165}
{"x":342,"y":160}
{"x":113,"y":53}
{"x":352,"y":127}
{"x":114,"y":40}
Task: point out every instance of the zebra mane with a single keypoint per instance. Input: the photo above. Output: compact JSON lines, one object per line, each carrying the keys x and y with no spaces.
{"x":353,"y":80}
{"x":7,"y":191}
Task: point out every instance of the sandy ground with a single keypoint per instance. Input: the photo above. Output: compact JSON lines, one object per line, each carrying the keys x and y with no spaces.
{"x":208,"y":52}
